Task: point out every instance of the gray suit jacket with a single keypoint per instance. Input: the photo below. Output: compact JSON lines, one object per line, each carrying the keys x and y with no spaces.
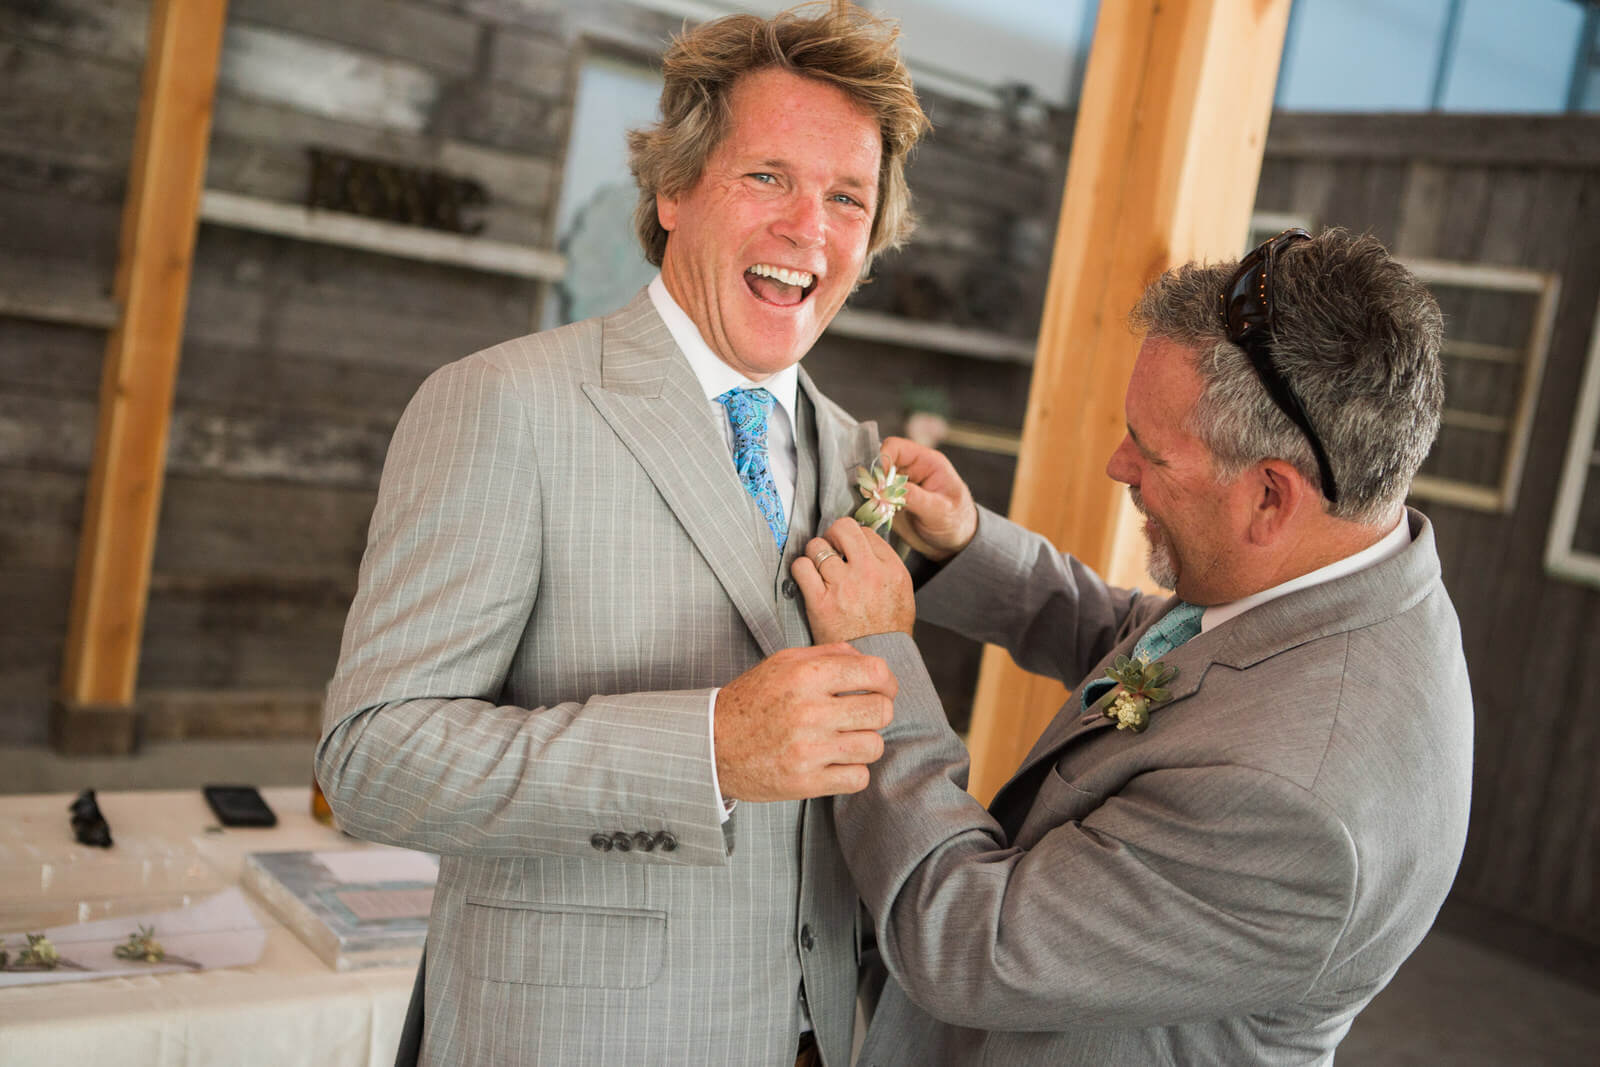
{"x":1231,"y":886}
{"x":562,"y":563}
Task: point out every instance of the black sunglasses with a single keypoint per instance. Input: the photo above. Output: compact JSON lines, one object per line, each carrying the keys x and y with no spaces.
{"x":1247,"y":316}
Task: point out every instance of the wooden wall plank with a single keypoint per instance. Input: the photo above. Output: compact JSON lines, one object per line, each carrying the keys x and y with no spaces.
{"x":1165,"y":158}
{"x":428,"y":36}
{"x":260,"y":148}
{"x":326,"y":79}
{"x":141,"y":358}
{"x":1472,"y":140}
{"x":32,"y":630}
{"x":105,"y":29}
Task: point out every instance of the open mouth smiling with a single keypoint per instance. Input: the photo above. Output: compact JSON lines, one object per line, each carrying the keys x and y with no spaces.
{"x":780,"y":285}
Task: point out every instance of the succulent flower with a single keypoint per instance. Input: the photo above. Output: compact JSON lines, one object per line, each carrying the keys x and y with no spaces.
{"x":39,"y":953}
{"x":141,"y":946}
{"x":1140,"y":686}
{"x":885,"y":493}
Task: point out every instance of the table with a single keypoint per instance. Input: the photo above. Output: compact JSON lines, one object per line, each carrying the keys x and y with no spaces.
{"x":288,"y":1009}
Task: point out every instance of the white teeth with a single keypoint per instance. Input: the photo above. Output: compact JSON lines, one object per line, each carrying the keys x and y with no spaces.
{"x":798,"y":278}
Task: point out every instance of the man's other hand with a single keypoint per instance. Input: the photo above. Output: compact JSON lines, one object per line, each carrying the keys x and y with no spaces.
{"x":939,"y":518}
{"x":854,"y":585}
{"x":802,"y":723}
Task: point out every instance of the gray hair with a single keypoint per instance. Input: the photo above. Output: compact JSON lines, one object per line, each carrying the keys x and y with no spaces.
{"x":1356,"y":335}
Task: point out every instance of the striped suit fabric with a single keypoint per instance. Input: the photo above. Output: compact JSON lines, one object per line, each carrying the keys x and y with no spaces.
{"x":562,"y":564}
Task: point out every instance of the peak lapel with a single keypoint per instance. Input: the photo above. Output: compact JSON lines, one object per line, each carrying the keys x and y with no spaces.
{"x":653,"y":402}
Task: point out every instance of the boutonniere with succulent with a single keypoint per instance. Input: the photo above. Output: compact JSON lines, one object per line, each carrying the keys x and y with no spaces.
{"x":40,"y":955}
{"x":141,"y":946}
{"x":885,"y":493}
{"x":1140,"y":687}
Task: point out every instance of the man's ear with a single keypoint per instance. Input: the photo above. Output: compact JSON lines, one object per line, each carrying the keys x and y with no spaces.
{"x":1277,"y":493}
{"x":667,"y":211}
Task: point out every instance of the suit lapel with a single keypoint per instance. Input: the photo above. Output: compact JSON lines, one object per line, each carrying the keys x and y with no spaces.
{"x":1353,"y":602}
{"x":653,"y":402}
{"x":842,"y":445}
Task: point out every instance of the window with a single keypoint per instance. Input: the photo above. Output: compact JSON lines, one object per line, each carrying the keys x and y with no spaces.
{"x":1497,"y":329}
{"x":1573,"y":551}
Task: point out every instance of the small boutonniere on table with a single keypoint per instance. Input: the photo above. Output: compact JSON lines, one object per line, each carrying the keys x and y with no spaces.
{"x":885,"y":491}
{"x":1140,"y":687}
{"x":141,"y":946}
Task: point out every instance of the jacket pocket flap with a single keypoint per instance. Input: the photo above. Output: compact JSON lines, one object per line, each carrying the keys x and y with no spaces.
{"x":534,"y":943}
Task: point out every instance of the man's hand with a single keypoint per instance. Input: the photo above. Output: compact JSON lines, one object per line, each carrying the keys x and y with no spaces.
{"x":939,"y":518}
{"x":854,"y":585}
{"x":802,"y":723}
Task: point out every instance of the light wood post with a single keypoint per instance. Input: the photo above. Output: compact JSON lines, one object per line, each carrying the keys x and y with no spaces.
{"x":123,"y":501}
{"x":1165,"y":158}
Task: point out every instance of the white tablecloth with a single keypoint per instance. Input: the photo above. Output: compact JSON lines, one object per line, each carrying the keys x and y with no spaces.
{"x":288,"y":1009}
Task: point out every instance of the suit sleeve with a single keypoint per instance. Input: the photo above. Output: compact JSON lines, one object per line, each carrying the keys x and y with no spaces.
{"x":417,"y":748}
{"x":1012,"y":588}
{"x":1193,"y":892}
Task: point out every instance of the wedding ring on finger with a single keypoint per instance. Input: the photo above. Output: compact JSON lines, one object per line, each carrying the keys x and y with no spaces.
{"x":823,"y":556}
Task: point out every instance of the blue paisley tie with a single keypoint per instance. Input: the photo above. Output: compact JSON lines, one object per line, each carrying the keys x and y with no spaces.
{"x":747,"y":414}
{"x":1170,"y":631}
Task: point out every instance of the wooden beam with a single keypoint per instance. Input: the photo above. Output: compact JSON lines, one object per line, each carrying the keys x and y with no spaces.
{"x":158,"y":230}
{"x":1165,"y":158}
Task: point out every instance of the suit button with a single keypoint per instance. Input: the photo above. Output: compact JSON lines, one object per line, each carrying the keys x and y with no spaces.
{"x":643,"y":841}
{"x":601,"y":842}
{"x":791,"y":589}
{"x":621,"y":842}
{"x":807,"y":942}
{"x":666,"y":842}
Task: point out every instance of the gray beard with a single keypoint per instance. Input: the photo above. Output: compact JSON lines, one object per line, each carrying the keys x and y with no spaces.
{"x":1159,"y":561}
{"x":1163,"y":569}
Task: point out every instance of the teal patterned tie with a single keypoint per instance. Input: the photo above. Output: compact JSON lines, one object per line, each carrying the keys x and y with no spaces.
{"x":1170,"y":631}
{"x":747,"y":414}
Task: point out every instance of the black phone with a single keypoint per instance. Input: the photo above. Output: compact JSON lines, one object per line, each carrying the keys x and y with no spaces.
{"x":239,"y":805}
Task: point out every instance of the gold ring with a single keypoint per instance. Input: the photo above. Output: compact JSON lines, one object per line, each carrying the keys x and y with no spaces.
{"x":824,"y":555}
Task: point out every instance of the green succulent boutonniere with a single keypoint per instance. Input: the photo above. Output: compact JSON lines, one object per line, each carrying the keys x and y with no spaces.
{"x":40,"y":955}
{"x":885,"y":492}
{"x":141,"y":946}
{"x":1140,"y":687}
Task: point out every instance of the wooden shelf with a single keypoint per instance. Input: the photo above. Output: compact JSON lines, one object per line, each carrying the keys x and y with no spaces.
{"x":937,"y":336}
{"x":411,"y":242}
{"x":371,"y":235}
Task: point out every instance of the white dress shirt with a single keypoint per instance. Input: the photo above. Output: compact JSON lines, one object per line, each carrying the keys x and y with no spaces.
{"x":716,"y":378}
{"x":1390,"y":545}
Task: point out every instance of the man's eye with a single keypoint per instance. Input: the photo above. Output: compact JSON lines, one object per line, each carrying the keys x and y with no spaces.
{"x":845,"y":198}
{"x":763,"y":178}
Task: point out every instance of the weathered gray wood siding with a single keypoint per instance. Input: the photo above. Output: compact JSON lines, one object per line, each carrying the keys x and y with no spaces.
{"x":1522,"y":192}
{"x":299,"y":357}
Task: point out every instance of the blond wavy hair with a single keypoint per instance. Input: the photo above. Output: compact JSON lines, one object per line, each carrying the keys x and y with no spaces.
{"x":842,"y":46}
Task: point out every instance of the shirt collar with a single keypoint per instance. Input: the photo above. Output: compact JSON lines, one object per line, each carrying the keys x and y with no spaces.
{"x":715,"y":376}
{"x":1391,"y":544}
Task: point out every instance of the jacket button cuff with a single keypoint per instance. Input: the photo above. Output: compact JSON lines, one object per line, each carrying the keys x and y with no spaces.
{"x":621,"y":842}
{"x":666,"y":842}
{"x":601,"y":842}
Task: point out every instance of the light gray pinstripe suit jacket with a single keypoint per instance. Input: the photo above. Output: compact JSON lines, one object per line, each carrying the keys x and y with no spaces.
{"x":1230,"y":886}
{"x":561,"y":564}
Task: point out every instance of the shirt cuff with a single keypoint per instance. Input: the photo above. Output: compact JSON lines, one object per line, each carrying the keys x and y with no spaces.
{"x":724,"y":807}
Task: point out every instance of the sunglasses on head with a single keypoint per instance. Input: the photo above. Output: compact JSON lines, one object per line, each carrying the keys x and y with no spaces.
{"x":1246,"y":306}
